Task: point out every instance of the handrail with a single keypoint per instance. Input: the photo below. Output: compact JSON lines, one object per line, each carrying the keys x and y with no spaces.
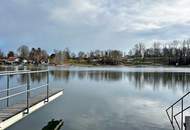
{"x":173,"y":116}
{"x":13,"y":71}
{"x":178,"y":100}
{"x":177,"y":123}
{"x":19,"y":86}
{"x":37,"y":87}
{"x":16,"y":94}
{"x":182,"y":111}
{"x":178,"y":114}
{"x":28,"y":89}
{"x":22,"y":72}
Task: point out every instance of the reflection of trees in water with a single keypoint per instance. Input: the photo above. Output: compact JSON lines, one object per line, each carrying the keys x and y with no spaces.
{"x":105,"y":75}
{"x":7,"y":68}
{"x":93,"y":75}
{"x":22,"y":79}
{"x":82,"y":74}
{"x":61,"y":74}
{"x":1,"y":77}
{"x":33,"y":77}
{"x":38,"y":77}
{"x":170,"y":80}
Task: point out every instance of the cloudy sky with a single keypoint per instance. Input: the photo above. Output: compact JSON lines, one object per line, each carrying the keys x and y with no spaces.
{"x":91,"y":24}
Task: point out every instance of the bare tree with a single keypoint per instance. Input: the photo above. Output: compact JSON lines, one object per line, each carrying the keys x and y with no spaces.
{"x":23,"y":52}
{"x":73,"y":55}
{"x":156,"y":47}
{"x":1,"y":54}
{"x":59,"y":57}
{"x":139,"y":50}
{"x":130,"y":52}
{"x":44,"y":56}
{"x":66,"y":54}
{"x":81,"y":55}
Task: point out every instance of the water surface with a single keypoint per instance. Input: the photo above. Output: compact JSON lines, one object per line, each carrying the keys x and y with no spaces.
{"x":111,"y":98}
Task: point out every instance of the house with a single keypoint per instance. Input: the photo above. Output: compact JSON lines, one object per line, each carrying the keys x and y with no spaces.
{"x":2,"y":61}
{"x":12,"y":60}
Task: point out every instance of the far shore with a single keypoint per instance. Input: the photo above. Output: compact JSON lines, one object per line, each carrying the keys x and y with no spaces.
{"x":92,"y":65}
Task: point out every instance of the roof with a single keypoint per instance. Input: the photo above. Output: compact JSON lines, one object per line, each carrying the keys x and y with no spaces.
{"x":11,"y":58}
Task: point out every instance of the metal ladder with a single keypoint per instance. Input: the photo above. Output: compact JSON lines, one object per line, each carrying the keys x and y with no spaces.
{"x":172,"y":116}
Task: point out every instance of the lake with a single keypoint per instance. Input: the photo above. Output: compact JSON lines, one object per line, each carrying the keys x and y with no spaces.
{"x":111,"y":98}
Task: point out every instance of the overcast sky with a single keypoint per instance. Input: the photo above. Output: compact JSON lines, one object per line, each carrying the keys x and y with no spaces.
{"x":91,"y":24}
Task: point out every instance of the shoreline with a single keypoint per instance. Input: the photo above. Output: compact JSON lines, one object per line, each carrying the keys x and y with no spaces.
{"x":90,"y":65}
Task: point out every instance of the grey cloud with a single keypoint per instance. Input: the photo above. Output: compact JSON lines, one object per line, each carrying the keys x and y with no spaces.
{"x":91,"y":24}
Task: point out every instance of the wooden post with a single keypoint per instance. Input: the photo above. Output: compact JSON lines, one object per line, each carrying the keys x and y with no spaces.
{"x":187,"y":123}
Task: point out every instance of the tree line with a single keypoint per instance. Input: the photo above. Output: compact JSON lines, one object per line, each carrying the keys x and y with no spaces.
{"x":38,"y":56}
{"x":171,"y":53}
{"x":111,"y":57}
{"x":35,"y":55}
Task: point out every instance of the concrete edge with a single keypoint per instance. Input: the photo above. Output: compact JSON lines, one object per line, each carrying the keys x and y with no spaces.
{"x":7,"y":123}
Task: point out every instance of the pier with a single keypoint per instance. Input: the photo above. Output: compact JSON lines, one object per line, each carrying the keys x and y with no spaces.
{"x":19,"y":101}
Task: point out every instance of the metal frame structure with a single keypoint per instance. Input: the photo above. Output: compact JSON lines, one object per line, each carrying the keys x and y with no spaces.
{"x":172,"y":116}
{"x":27,"y":85}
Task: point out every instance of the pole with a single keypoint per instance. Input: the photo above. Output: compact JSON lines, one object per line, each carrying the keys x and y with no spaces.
{"x":182,"y":114}
{"x":8,"y":78}
{"x":172,"y":118}
{"x":47,"y":86}
{"x":28,"y":93}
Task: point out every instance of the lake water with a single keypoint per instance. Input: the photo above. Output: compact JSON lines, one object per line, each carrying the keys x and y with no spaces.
{"x":111,"y":98}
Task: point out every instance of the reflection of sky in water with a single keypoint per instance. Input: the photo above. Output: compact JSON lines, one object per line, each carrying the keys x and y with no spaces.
{"x":111,"y":100}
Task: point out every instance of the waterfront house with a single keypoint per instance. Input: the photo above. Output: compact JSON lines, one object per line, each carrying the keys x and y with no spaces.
{"x":2,"y":61}
{"x":12,"y":60}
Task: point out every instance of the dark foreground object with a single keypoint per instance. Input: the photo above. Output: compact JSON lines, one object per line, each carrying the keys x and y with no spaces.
{"x":54,"y":125}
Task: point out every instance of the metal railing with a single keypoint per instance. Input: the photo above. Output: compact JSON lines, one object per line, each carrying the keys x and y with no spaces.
{"x":172,"y":116}
{"x":27,"y":85}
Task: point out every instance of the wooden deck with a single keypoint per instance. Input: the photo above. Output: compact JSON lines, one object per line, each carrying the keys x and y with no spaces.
{"x":13,"y":110}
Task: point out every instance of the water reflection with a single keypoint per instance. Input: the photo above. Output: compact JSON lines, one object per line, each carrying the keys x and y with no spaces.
{"x":34,"y":77}
{"x":110,"y":99}
{"x":58,"y":75}
{"x":93,"y":75}
{"x":170,"y":80}
{"x":38,"y":77}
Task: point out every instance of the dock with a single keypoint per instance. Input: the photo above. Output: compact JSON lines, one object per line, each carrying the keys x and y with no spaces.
{"x":12,"y":113}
